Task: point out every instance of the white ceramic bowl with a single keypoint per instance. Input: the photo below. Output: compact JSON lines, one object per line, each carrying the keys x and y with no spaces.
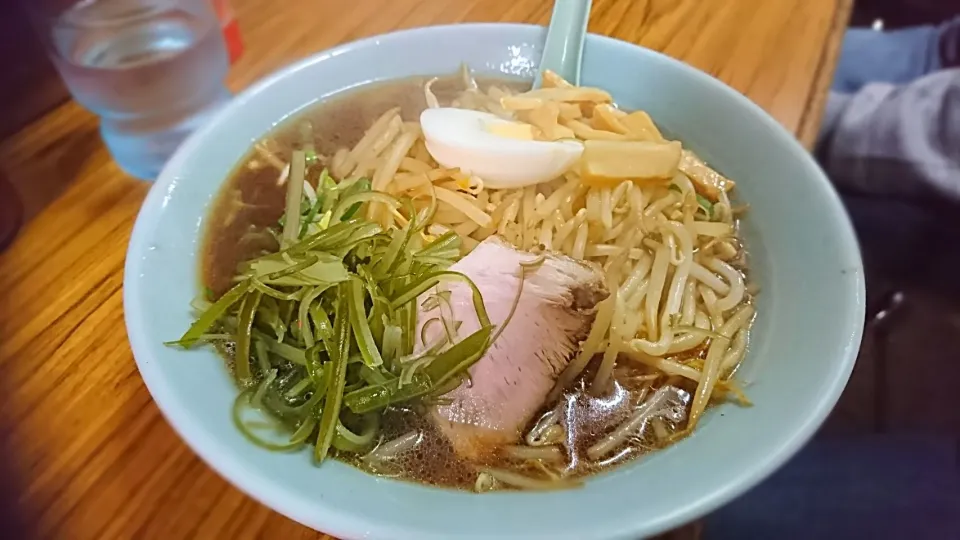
{"x":804,"y":255}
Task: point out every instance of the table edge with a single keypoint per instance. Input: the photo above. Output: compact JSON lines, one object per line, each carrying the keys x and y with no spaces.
{"x":809,"y":126}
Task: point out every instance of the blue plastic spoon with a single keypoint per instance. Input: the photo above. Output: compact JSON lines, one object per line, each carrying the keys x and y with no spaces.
{"x":563,"y":50}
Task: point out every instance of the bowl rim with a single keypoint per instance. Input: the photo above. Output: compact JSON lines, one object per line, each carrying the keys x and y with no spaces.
{"x":356,"y":525}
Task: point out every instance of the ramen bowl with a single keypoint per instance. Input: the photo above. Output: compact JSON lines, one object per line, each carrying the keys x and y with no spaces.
{"x":803,"y":255}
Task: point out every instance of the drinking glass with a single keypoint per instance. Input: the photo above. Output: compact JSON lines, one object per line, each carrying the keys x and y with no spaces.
{"x":152,"y":70}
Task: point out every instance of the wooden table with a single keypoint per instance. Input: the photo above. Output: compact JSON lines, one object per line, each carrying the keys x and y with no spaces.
{"x":85,"y":453}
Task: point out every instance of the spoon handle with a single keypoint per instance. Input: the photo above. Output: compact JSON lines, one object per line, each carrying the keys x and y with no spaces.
{"x":563,"y":49}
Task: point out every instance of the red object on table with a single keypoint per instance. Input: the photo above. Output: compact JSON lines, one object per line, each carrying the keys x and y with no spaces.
{"x":231,"y":30}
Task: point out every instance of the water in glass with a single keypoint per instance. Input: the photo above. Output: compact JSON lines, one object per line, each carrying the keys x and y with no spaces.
{"x":153,"y":70}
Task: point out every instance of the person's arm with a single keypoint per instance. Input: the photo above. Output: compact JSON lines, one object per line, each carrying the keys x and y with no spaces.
{"x":896,"y":140}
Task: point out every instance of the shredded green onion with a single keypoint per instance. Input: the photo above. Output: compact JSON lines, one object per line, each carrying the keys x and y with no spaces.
{"x":348,"y":441}
{"x":243,"y":402}
{"x":360,"y":186}
{"x":706,"y":205}
{"x":325,"y":328}
{"x":339,"y":356}
{"x":453,"y":361}
{"x":358,"y":321}
{"x":291,"y":224}
{"x":242,"y":357}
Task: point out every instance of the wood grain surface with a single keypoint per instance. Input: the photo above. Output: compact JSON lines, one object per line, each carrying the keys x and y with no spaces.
{"x":85,"y":453}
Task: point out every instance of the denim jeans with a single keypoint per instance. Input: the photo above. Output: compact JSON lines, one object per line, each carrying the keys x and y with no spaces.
{"x":896,"y":57}
{"x":892,"y":123}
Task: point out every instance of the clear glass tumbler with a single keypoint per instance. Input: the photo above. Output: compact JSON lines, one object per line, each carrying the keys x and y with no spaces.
{"x":152,"y":70}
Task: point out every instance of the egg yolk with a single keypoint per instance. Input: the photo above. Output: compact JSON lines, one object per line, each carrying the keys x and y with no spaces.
{"x":513,"y":130}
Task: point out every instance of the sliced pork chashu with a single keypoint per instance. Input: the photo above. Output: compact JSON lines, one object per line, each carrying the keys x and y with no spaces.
{"x":510,"y":383}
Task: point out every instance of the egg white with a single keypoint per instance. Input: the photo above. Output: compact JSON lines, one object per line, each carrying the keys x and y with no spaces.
{"x":461,"y":138}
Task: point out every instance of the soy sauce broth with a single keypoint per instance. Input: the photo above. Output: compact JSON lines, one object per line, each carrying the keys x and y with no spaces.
{"x":251,"y":200}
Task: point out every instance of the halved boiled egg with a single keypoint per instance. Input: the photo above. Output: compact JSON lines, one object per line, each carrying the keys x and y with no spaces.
{"x":501,"y":152}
